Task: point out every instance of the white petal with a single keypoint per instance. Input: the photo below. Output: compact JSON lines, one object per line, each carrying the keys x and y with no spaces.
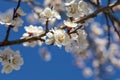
{"x":70,"y":24}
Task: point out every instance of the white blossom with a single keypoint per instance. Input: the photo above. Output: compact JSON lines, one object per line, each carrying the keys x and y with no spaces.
{"x":77,"y":9}
{"x":10,"y":60}
{"x":49,"y":14}
{"x":30,"y":43}
{"x":45,"y":54}
{"x":87,"y":72}
{"x":72,"y":10}
{"x":101,"y":43}
{"x":50,"y":38}
{"x":8,"y":20}
{"x":33,"y":31}
{"x":16,"y":23}
{"x":20,"y":12}
{"x":69,"y":2}
{"x":70,"y":23}
{"x":60,"y":37}
{"x":57,"y":4}
{"x":56,"y":37}
{"x":84,"y":8}
{"x":78,"y":42}
{"x":95,"y":28}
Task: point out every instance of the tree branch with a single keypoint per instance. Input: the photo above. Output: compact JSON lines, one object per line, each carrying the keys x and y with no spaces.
{"x":98,"y":11}
{"x":19,"y":41}
{"x":9,"y":27}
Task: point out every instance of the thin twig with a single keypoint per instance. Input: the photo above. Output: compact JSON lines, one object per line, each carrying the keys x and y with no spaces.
{"x":108,"y":27}
{"x":76,"y":29}
{"x":108,"y":2}
{"x":118,"y":33}
{"x":47,"y":23}
{"x":9,"y":27}
{"x":98,"y":3}
{"x":97,"y":12}
{"x":15,"y":9}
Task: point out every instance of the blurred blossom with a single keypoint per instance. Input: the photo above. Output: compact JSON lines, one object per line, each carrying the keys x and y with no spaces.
{"x":50,"y":15}
{"x":7,"y":18}
{"x":116,"y":8}
{"x":45,"y":54}
{"x":70,"y":24}
{"x":72,"y":10}
{"x":114,"y":48}
{"x":32,"y":18}
{"x":11,"y":60}
{"x":87,"y":72}
{"x":77,"y":9}
{"x":109,"y":69}
{"x":95,"y":63}
{"x":69,"y":2}
{"x":77,"y":44}
{"x":116,"y":37}
{"x":84,"y":8}
{"x":38,"y":9}
{"x":95,"y":28}
{"x":57,"y":4}
{"x":101,"y":43}
{"x":79,"y":62}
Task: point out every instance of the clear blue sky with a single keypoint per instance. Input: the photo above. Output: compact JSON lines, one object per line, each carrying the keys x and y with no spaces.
{"x":61,"y":67}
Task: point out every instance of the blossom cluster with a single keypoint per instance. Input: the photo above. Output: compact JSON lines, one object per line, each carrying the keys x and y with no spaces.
{"x":12,"y":19}
{"x":32,"y":31}
{"x":10,"y":60}
{"x":72,"y":41}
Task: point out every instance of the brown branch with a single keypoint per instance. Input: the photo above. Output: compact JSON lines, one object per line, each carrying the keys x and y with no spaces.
{"x":115,"y":19}
{"x":98,"y":3}
{"x":112,"y":20}
{"x":47,"y":23}
{"x":93,"y":3}
{"x":15,"y":9}
{"x":97,"y":12}
{"x":94,"y":14}
{"x":7,"y":33}
{"x":76,"y":29}
{"x":9,"y":27}
{"x":19,"y":41}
